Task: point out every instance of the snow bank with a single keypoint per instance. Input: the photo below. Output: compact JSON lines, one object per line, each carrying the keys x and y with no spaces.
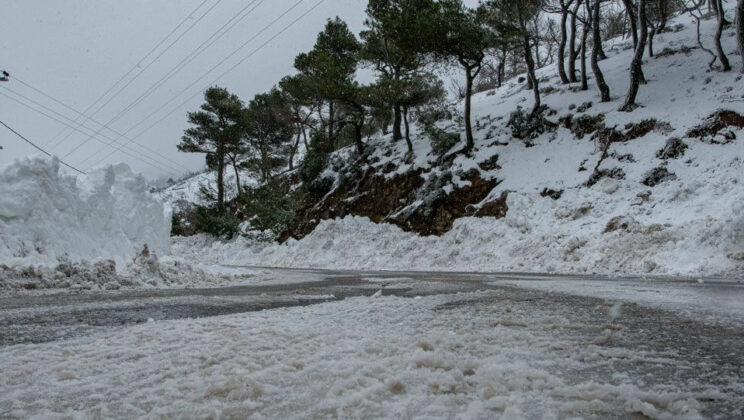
{"x":47,"y":216}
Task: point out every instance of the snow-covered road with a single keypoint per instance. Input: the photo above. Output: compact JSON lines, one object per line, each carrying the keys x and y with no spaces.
{"x":380,"y":344}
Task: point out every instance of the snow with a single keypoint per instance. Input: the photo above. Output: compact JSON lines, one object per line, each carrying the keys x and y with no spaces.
{"x":391,"y":357}
{"x":190,"y":189}
{"x":48,"y":216}
{"x":692,"y":225}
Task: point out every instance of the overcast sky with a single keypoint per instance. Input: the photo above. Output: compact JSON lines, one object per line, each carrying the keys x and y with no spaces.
{"x":75,"y":50}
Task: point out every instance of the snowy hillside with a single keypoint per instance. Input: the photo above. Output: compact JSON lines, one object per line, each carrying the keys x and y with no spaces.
{"x":667,"y":199}
{"x":190,"y":190}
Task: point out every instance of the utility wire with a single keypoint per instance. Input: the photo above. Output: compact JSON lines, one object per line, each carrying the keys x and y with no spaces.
{"x":39,"y":148}
{"x":219,"y":33}
{"x":287,"y":27}
{"x":157,"y":165}
{"x":148,"y":149}
{"x":138,"y":65}
{"x":144,"y":155}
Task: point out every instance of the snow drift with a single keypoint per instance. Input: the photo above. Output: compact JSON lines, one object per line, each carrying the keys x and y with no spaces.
{"x":47,"y":216}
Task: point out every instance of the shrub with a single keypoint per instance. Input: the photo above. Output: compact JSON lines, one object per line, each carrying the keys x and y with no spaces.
{"x":441,"y":140}
{"x":270,"y":207}
{"x":315,"y":159}
{"x":528,"y":126}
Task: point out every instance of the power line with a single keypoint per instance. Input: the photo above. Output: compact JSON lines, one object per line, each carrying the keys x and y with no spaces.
{"x":157,"y":165}
{"x":88,"y":118}
{"x":134,"y":67}
{"x":78,"y":128}
{"x":287,"y":27}
{"x":242,"y":14}
{"x":121,"y":89}
{"x":39,"y":148}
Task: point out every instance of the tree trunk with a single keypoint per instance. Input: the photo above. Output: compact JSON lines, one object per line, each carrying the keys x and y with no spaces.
{"x":293,"y":150}
{"x":740,"y":31}
{"x":220,"y":180}
{"x":501,"y":71}
{"x":331,"y":121}
{"x":633,"y":19}
{"x":604,"y":90}
{"x":470,"y":142}
{"x":531,"y":74}
{"x":651,"y":34}
{"x":237,"y":175}
{"x":397,"y":133}
{"x":358,"y":138}
{"x":408,"y":133}
{"x":584,"y":78}
{"x":720,"y":14}
{"x":562,"y":46}
{"x":572,"y":45}
{"x":636,"y":66}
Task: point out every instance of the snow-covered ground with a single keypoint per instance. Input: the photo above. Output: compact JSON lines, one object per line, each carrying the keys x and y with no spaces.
{"x":191,"y":190}
{"x":488,"y":354}
{"x":690,"y":224}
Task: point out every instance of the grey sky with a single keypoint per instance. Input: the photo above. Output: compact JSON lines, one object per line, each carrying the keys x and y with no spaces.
{"x":75,"y":50}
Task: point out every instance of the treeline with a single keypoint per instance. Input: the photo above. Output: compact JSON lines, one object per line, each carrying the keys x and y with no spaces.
{"x":324,"y":107}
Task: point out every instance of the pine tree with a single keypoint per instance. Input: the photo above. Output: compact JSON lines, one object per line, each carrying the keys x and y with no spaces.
{"x":268,"y":122}
{"x":393,"y":41}
{"x":510,"y":20}
{"x":460,"y":36}
{"x":297,"y":93}
{"x":217,"y":132}
{"x":329,"y":68}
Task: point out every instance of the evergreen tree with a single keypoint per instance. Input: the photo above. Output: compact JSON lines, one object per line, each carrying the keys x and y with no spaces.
{"x":392,"y":44}
{"x":217,"y":132}
{"x":510,"y":21}
{"x":461,"y":37}
{"x":329,"y":68}
{"x":268,"y":122}
{"x":298,"y":95}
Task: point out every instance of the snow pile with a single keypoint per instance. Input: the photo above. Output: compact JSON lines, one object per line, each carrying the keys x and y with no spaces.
{"x":440,"y":356}
{"x":145,"y":271}
{"x":47,"y":216}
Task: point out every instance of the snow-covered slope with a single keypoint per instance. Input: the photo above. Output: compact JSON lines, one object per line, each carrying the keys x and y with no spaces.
{"x":47,"y":216}
{"x":692,"y":222}
{"x":189,"y":191}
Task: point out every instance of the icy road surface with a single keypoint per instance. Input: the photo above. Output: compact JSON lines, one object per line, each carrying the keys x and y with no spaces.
{"x":380,"y":344}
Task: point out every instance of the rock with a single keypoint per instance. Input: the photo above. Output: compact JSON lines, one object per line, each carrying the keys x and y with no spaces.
{"x":673,"y":149}
{"x":656,"y":176}
{"x":624,"y":223}
{"x":547,"y":192}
